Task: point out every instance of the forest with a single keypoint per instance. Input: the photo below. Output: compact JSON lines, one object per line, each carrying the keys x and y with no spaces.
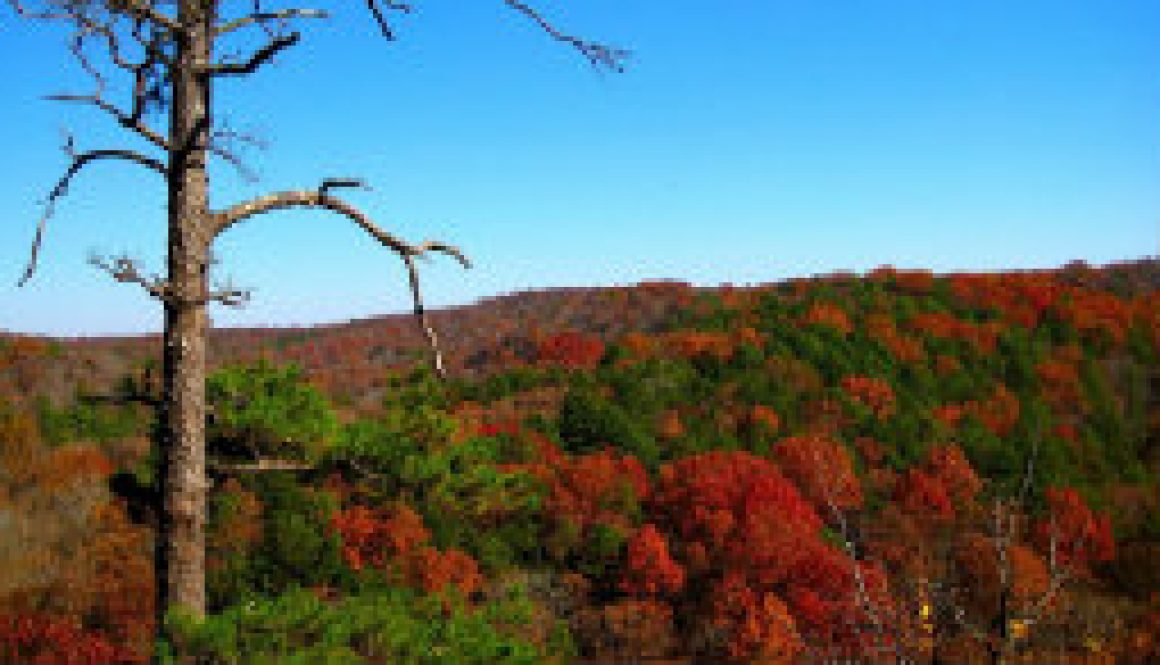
{"x":888,"y":467}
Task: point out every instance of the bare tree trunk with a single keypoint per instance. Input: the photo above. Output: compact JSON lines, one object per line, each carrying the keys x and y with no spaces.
{"x":181,"y":541}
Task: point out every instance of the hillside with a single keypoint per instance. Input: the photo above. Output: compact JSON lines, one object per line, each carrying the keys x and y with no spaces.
{"x":946,"y":468}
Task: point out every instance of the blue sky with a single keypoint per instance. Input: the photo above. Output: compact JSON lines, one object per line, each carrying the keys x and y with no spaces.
{"x":748,"y":141}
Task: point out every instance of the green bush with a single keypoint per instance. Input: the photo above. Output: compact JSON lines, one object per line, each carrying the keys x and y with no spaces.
{"x":264,"y":411}
{"x":395,"y":626}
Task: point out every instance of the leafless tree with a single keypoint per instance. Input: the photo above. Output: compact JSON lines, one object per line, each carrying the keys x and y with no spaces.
{"x":167,"y":56}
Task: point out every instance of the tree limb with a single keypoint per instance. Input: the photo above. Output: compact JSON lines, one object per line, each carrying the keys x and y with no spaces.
{"x":79,"y":161}
{"x":321,"y":198}
{"x":597,"y":54}
{"x":125,"y":270}
{"x":126,"y":120}
{"x":259,"y":58}
{"x":264,"y":17}
{"x":379,"y":11}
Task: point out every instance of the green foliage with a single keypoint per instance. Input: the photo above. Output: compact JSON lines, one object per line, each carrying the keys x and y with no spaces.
{"x":264,"y":411}
{"x":394,"y":626}
{"x":90,"y":420}
{"x":466,"y":501}
{"x":298,"y":545}
{"x":589,"y":422}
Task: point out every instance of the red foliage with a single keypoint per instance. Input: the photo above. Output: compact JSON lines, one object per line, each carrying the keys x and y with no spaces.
{"x":649,"y":568}
{"x":951,"y":468}
{"x":38,"y":639}
{"x":433,"y":570}
{"x":374,"y":537}
{"x":394,"y":540}
{"x":822,"y":470}
{"x":998,"y":413}
{"x":1059,"y":381}
{"x":1021,"y":298}
{"x":598,"y":488}
{"x":740,"y":510}
{"x":572,"y":350}
{"x":828,"y":314}
{"x":1080,"y":536}
{"x":669,"y":425}
{"x":1096,"y":314}
{"x":872,"y":392}
{"x":693,"y":343}
{"x":881,"y":328}
{"x":755,"y":624}
{"x":980,"y":336}
{"x":920,"y":494}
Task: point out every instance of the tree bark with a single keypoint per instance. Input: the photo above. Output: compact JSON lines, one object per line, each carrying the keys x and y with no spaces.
{"x":181,"y":539}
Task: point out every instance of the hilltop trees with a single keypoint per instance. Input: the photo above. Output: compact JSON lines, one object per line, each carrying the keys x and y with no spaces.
{"x":170,"y":57}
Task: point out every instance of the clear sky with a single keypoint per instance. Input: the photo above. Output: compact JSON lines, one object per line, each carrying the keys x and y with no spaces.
{"x":749,"y":141}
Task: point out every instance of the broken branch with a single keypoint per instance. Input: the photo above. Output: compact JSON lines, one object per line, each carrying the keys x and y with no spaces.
{"x":79,"y":161}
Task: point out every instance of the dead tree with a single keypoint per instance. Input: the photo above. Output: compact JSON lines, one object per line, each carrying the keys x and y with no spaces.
{"x":169,"y":54}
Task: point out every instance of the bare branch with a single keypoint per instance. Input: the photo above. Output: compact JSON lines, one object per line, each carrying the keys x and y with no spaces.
{"x":379,"y":9}
{"x":259,"y":58}
{"x":126,"y":120}
{"x":260,"y":466}
{"x":230,"y":296}
{"x":321,"y":198}
{"x":341,"y":183}
{"x":125,"y":270}
{"x":233,"y":159}
{"x":597,"y":54}
{"x":260,"y":18}
{"x":79,"y":161}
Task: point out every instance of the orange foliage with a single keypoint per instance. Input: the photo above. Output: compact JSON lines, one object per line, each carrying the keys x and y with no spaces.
{"x":1096,"y":314}
{"x":639,"y":345}
{"x":917,"y":282}
{"x":1080,"y":537}
{"x":921,"y":495}
{"x":1020,"y":298}
{"x":978,"y":559}
{"x":946,"y":365}
{"x":395,"y":540}
{"x":982,"y":337}
{"x":871,"y":392}
{"x":1059,"y":381}
{"x":822,"y":470}
{"x":762,"y":417}
{"x":432,"y":570}
{"x":122,"y":578}
{"x":572,"y":350}
{"x":741,"y":511}
{"x":38,"y":639}
{"x":649,"y":569}
{"x":949,"y":466}
{"x":598,"y":488}
{"x":829,"y":315}
{"x":670,"y":426}
{"x":998,"y":413}
{"x":693,"y":343}
{"x":904,"y":348}
{"x":756,"y":625}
